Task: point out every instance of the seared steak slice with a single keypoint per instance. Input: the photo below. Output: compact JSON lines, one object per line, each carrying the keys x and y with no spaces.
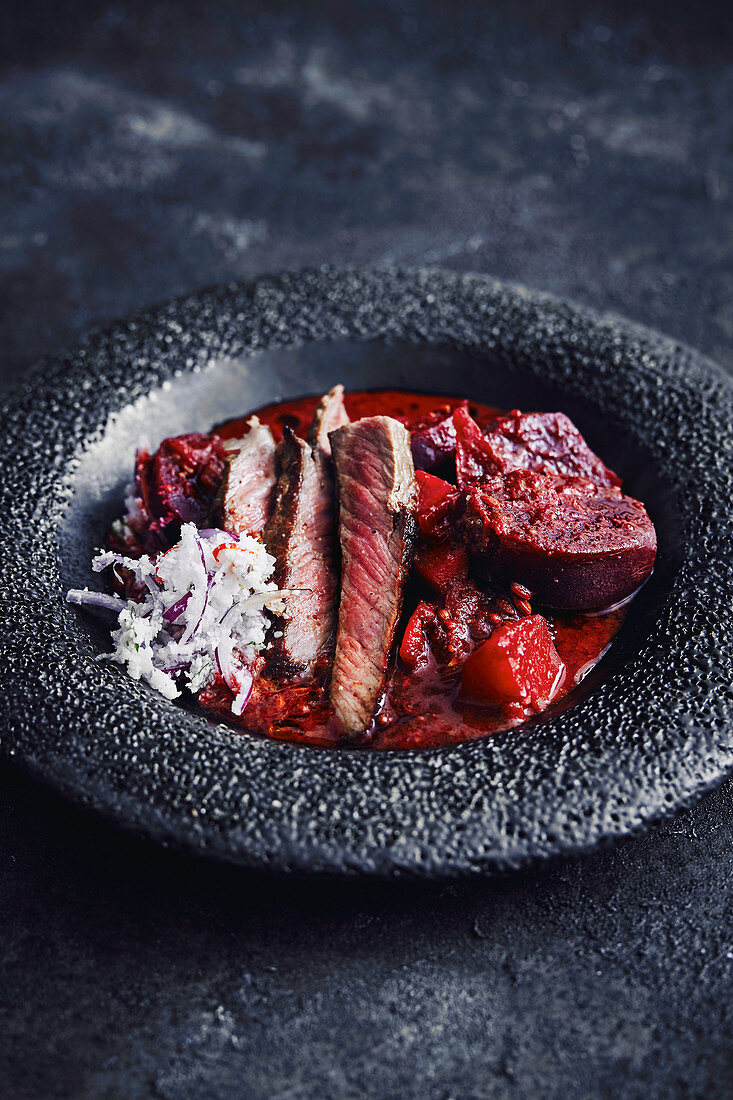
{"x":330,"y":415}
{"x":375,"y":480}
{"x":300,"y":535}
{"x":249,"y":487}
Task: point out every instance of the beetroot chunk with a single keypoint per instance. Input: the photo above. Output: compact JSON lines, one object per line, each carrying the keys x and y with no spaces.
{"x":182,"y":479}
{"x":518,"y":664}
{"x":433,"y":438}
{"x":544,"y":443}
{"x":475,"y":458}
{"x":576,"y":545}
{"x":440,"y":563}
{"x":448,"y":630}
{"x":435,"y":500}
{"x":177,"y":484}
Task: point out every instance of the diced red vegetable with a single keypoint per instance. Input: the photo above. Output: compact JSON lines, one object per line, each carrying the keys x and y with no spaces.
{"x":475,"y":457}
{"x":545,"y":443}
{"x":577,"y":545}
{"x":441,"y":563}
{"x":415,"y":647}
{"x":435,"y":497}
{"x":433,"y":438}
{"x":184,"y":476}
{"x":462,"y":617}
{"x":518,"y":664}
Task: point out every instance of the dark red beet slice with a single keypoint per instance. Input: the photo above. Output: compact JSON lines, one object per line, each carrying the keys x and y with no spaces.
{"x":433,"y":438}
{"x":545,"y":443}
{"x":179,"y":482}
{"x":475,"y":458}
{"x":518,"y":664}
{"x":576,"y":545}
{"x":183,"y":478}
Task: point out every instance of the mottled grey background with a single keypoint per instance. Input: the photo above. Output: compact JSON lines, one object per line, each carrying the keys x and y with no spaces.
{"x":149,"y":149}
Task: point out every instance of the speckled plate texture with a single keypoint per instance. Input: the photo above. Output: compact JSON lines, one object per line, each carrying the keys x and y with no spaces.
{"x":644,"y":735}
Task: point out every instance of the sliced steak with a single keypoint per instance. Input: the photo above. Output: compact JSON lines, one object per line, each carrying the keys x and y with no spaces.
{"x":249,"y":488}
{"x":375,"y":479}
{"x":330,"y":415}
{"x":575,"y":544}
{"x":300,"y":535}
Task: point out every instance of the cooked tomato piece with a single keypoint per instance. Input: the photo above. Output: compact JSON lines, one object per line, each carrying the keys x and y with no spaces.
{"x":518,"y":664}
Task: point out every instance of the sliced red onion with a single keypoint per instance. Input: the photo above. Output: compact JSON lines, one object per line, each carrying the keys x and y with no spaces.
{"x":188,"y":632}
{"x":84,"y":598}
{"x":227,"y":613}
{"x":245,"y":692}
{"x":174,"y":670}
{"x":201,"y":552}
{"x":230,"y":668}
{"x":259,"y":600}
{"x":218,"y":532}
{"x":175,"y":609}
{"x":226,"y":671}
{"x":151,"y":584}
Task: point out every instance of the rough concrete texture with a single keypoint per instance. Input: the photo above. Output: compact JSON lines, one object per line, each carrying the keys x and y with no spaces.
{"x":150,"y":150}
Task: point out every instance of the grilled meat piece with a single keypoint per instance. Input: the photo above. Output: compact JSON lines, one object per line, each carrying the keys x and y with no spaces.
{"x":330,"y":415}
{"x":249,"y":487}
{"x":300,"y":534}
{"x":375,"y":479}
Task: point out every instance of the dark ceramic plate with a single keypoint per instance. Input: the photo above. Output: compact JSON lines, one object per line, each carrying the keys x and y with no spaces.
{"x":646,"y":734}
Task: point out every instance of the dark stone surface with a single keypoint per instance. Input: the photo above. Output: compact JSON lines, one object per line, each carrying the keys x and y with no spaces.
{"x":152,"y":149}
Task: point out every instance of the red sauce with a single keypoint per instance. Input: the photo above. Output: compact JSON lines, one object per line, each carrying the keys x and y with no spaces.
{"x":420,"y":709}
{"x":298,"y":413}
